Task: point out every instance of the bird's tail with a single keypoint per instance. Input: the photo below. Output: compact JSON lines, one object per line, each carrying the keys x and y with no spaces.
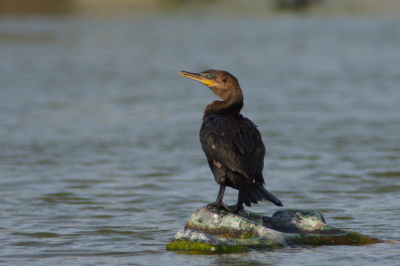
{"x":254,"y":193}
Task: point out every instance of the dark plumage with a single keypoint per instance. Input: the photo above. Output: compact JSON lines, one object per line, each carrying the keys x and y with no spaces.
{"x":231,"y":142}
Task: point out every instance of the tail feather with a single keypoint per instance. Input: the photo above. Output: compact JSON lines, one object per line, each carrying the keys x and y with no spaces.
{"x":256,"y":197}
{"x":245,"y":198}
{"x":256,"y":193}
{"x":253,"y":197}
{"x":259,"y":194}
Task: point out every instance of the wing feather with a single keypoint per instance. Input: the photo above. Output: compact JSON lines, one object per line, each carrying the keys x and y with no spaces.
{"x":235,"y":144}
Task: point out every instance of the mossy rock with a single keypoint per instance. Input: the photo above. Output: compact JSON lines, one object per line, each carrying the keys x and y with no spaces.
{"x":212,"y":229}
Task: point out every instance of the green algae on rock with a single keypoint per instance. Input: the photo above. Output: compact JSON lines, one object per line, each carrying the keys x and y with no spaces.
{"x":216,"y":230}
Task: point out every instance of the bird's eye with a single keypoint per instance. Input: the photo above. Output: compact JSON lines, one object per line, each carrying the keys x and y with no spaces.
{"x":210,"y":76}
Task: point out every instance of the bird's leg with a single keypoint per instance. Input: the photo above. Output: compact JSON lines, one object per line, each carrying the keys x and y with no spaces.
{"x":218,"y":202}
{"x":239,"y":205}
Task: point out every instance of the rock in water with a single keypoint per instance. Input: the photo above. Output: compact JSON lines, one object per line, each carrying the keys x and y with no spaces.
{"x":216,"y":230}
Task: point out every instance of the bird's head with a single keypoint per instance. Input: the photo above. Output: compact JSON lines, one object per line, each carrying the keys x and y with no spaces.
{"x":222,"y":83}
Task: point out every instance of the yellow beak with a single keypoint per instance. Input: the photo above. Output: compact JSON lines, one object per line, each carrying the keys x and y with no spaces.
{"x":196,"y":76}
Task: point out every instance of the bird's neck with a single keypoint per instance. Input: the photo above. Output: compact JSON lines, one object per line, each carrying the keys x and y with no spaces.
{"x":223,"y":106}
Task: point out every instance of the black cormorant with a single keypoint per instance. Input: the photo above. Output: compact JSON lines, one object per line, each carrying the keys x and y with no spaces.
{"x":231,"y":142}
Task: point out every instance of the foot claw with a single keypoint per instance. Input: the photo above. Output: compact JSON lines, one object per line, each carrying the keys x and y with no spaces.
{"x":218,"y":204}
{"x":235,"y":208}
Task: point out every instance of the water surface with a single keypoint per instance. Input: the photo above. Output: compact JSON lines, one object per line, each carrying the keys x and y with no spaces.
{"x":100,"y":162}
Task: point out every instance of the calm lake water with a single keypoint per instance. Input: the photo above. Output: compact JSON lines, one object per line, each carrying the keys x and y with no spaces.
{"x":100,"y":162}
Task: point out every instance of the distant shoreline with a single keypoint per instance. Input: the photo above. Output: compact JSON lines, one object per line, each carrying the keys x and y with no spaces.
{"x":245,"y":8}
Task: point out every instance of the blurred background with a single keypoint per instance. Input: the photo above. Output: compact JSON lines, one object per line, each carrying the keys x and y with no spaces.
{"x":100,"y":162}
{"x":249,"y":7}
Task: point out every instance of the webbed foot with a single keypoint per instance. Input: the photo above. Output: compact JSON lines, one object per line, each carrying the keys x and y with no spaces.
{"x":235,"y":208}
{"x":218,"y":204}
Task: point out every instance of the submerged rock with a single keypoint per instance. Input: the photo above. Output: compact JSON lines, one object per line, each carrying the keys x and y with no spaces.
{"x":216,"y":230}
